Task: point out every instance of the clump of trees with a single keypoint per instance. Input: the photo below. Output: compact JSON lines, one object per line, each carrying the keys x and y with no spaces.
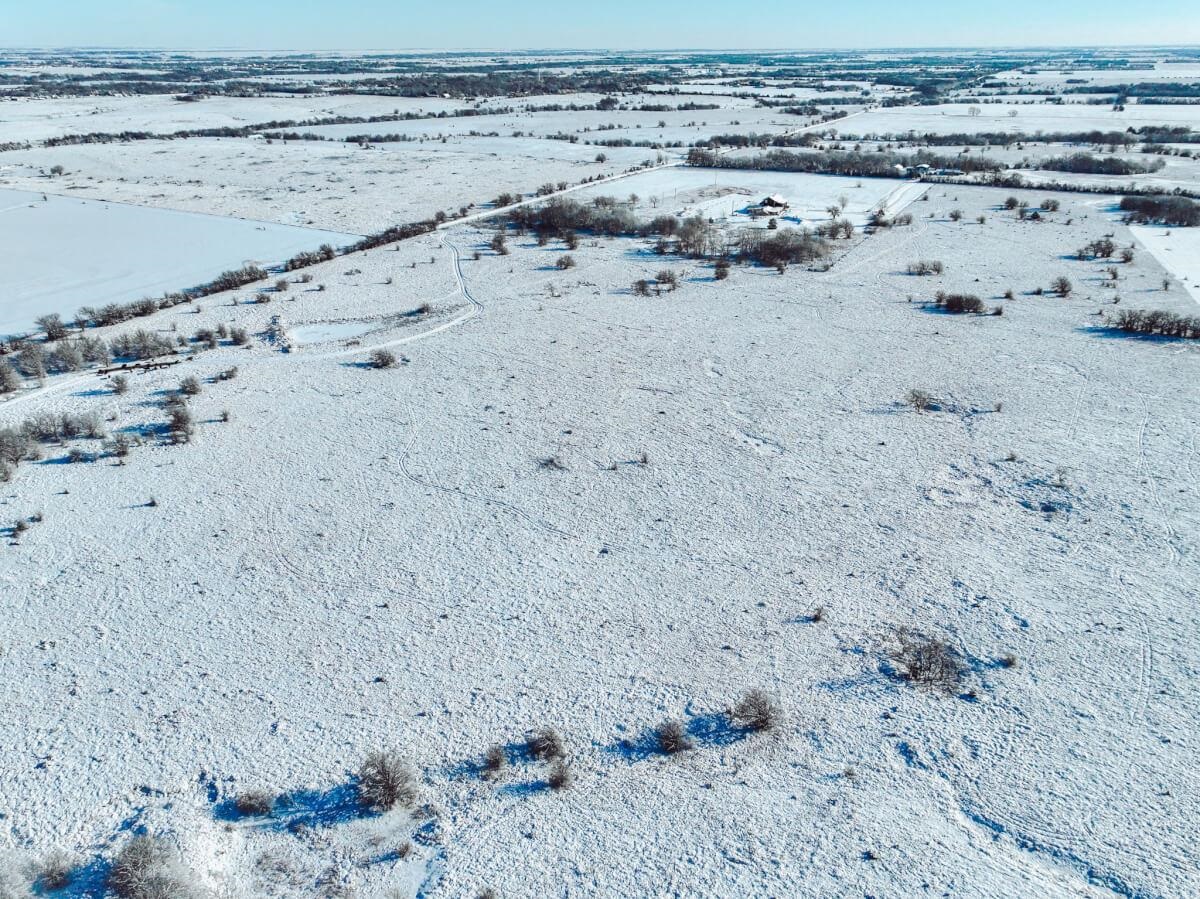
{"x":323,"y":253}
{"x":1157,"y":322}
{"x":1179,"y":211}
{"x":928,"y":661}
{"x":959,"y":302}
{"x":1086,"y":163}
{"x":1097,"y":249}
{"x":841,"y":162}
{"x":926,"y":267}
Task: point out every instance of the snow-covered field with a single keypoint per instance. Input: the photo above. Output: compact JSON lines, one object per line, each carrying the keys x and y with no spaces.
{"x":65,"y":253}
{"x":729,"y":193}
{"x":315,"y":184}
{"x":951,"y":118}
{"x":1177,"y":249}
{"x":568,"y":505}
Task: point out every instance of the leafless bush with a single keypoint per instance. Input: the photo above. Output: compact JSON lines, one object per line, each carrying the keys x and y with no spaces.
{"x":254,"y":802}
{"x":928,"y":661}
{"x":1157,"y":321}
{"x":238,"y":336}
{"x":672,"y":737}
{"x":9,"y":379}
{"x":559,"y":776}
{"x":120,"y":384}
{"x":384,"y":781}
{"x":544,"y":743}
{"x":54,"y":872}
{"x":180,"y":427}
{"x":921,"y":400}
{"x":148,"y":868}
{"x":565,"y":262}
{"x":495,"y":759}
{"x":189,"y":386}
{"x":926,"y":267}
{"x":959,"y":302}
{"x":383,"y":359}
{"x":1061,"y":286}
{"x":756,"y":710}
{"x":552,"y":463}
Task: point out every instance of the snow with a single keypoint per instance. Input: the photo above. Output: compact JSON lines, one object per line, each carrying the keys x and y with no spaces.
{"x":354,"y":559}
{"x":952,"y":118}
{"x":67,"y":253}
{"x":1177,"y":250}
{"x":729,"y":194}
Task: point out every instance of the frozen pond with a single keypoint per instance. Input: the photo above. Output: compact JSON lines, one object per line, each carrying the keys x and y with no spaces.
{"x":63,"y":253}
{"x":320,"y":332}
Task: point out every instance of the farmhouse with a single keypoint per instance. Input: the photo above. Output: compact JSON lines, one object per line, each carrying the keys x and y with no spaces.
{"x":772,"y":205}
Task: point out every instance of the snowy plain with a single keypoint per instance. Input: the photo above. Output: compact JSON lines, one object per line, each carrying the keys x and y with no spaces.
{"x":355,"y":558}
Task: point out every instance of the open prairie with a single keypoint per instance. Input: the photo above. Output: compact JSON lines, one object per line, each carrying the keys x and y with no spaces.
{"x":634,"y":499}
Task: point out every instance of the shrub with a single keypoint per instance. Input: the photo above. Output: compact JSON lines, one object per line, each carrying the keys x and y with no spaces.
{"x":928,"y":661}
{"x":920,"y":400}
{"x":147,"y":868}
{"x":959,"y":303}
{"x":53,"y":326}
{"x":254,"y":802}
{"x":1061,"y":286}
{"x":559,"y":777}
{"x":16,"y":445}
{"x":544,"y":743}
{"x":925,"y":267}
{"x":382,"y":358}
{"x":55,"y":871}
{"x":238,"y":336}
{"x":672,"y":737}
{"x":756,"y":710}
{"x":564,"y":263}
{"x":384,"y":781}
{"x":956,"y":215}
{"x":9,"y":379}
{"x":668,"y":278}
{"x":499,"y":245}
{"x":494,"y":759}
{"x":641,"y":287}
{"x":721,"y":269}
{"x":120,"y":384}
{"x":189,"y":386}
{"x":179,"y":423}
{"x":141,"y":344}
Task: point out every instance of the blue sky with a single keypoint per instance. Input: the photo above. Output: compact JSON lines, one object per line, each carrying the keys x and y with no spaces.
{"x":399,"y":24}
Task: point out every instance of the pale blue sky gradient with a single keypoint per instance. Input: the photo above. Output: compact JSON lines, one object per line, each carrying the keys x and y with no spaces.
{"x":615,"y":24}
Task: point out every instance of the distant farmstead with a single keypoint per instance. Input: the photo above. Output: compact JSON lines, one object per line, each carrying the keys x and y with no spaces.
{"x":773,"y":205}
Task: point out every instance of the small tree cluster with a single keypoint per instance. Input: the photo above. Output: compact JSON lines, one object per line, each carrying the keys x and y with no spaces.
{"x":927,"y":661}
{"x":1157,"y":321}
{"x":925,"y":267}
{"x":324,"y":253}
{"x":959,"y":302}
